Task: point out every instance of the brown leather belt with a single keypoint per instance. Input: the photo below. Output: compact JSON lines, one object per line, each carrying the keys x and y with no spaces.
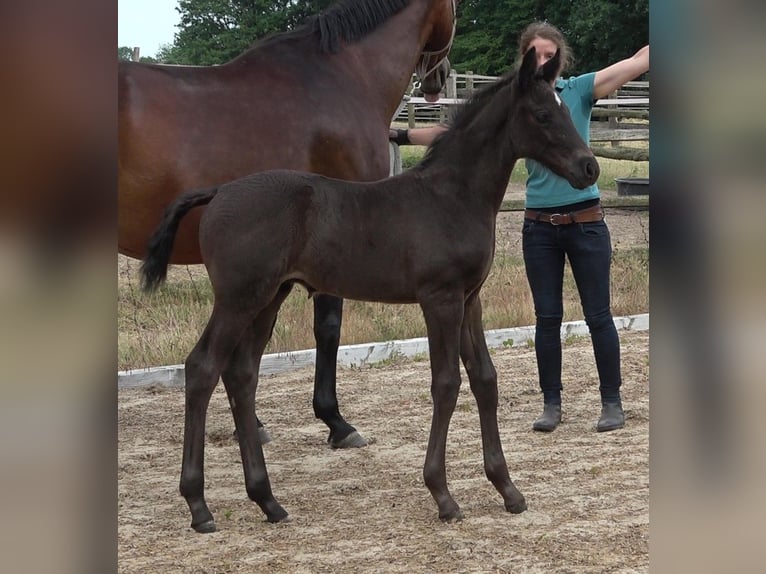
{"x":595,"y":213}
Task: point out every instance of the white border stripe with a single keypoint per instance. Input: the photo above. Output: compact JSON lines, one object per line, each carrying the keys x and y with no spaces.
{"x":369,"y":353}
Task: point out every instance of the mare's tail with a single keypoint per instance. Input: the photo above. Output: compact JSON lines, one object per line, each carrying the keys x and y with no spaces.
{"x":154,"y":269}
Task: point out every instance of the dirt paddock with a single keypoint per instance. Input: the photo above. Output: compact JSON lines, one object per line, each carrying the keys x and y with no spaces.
{"x":367,"y":510}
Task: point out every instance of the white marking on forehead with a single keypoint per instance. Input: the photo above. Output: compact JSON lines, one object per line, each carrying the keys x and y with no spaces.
{"x":558,"y":99}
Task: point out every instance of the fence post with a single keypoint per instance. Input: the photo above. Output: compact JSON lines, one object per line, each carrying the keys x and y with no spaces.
{"x":613,"y":119}
{"x":452,"y":84}
{"x":468,"y":83}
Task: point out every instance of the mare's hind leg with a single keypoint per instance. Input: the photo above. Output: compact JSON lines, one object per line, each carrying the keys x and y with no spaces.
{"x":203,"y":367}
{"x":443,"y":313}
{"x":241,"y":381}
{"x":263,"y":432}
{"x":483,"y":378}
{"x":328,"y":313}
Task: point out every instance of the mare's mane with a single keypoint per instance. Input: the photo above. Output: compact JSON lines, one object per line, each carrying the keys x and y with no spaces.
{"x":464,"y":116}
{"x":344,"y":21}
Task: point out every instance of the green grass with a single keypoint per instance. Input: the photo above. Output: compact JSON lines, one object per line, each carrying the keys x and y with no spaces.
{"x":161,"y":328}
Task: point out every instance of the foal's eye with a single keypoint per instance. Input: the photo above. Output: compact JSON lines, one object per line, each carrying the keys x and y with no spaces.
{"x":542,"y":116}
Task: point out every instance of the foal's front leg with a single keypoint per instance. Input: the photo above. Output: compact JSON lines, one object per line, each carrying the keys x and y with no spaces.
{"x":443,"y":314}
{"x":328,"y":313}
{"x":483,"y":378}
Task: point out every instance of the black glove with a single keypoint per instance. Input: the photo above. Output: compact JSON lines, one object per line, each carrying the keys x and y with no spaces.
{"x":401,"y":137}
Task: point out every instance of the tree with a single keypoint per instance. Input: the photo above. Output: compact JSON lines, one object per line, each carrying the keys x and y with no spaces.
{"x":600,"y":32}
{"x":126,"y":53}
{"x":487,"y":35}
{"x":215,"y":31}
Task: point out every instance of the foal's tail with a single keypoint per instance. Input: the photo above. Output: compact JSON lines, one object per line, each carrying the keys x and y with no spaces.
{"x":154,"y":269}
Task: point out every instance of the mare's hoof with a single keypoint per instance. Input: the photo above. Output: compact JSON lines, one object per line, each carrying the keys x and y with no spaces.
{"x":454,"y":516}
{"x":264,"y":435}
{"x":353,"y":440}
{"x":281,"y":517}
{"x":517,"y":507}
{"x":206,"y":527}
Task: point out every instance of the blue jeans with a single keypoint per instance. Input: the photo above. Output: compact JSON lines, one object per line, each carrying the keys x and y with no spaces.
{"x":589,"y":250}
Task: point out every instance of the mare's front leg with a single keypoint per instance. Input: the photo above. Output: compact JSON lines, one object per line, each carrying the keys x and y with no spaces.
{"x":443,"y":313}
{"x":483,"y":378}
{"x":328,"y":314}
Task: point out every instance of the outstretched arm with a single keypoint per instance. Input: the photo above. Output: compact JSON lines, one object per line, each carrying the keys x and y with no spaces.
{"x":416,"y":136}
{"x":615,"y":76}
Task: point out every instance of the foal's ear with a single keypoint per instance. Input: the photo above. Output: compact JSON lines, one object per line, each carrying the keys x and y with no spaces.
{"x":527,"y":69}
{"x":550,"y":69}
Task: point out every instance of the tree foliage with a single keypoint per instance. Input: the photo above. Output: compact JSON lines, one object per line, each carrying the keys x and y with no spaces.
{"x":126,"y":53}
{"x":215,"y":31}
{"x":600,"y":32}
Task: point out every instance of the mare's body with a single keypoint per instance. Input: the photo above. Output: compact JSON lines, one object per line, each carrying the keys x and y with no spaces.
{"x":426,"y":237}
{"x":319,"y":99}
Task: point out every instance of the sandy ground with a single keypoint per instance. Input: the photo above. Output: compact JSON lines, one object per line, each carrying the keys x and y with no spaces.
{"x":367,"y":510}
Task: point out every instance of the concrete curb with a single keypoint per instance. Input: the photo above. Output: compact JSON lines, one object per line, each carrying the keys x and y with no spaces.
{"x":369,"y":353}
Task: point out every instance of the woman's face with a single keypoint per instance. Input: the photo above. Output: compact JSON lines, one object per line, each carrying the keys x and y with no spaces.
{"x":545,"y":49}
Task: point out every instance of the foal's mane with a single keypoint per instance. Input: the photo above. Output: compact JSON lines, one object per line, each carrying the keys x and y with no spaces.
{"x":465,"y":115}
{"x":344,"y":21}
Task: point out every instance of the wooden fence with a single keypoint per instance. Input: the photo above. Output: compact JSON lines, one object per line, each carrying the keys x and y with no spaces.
{"x":609,"y":128}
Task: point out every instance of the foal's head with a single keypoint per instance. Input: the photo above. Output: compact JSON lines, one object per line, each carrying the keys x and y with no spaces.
{"x":541,"y":127}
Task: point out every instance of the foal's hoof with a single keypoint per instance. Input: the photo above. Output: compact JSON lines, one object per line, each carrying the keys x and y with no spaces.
{"x":205,"y":527}
{"x":353,"y":440}
{"x":517,"y":507}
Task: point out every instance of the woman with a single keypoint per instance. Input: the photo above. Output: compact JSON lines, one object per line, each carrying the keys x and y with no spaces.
{"x":563,"y":222}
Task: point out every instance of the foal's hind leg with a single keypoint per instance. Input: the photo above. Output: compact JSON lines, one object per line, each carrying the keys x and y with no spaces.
{"x":203,"y":367}
{"x":483,"y":378}
{"x":328,"y":313}
{"x":443,"y":313}
{"x":241,"y":381}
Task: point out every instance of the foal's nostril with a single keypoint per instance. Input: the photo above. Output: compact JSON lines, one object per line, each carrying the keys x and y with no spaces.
{"x":591,"y":168}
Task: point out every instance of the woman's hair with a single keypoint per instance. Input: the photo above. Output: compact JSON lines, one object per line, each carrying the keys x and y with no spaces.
{"x":547,"y":32}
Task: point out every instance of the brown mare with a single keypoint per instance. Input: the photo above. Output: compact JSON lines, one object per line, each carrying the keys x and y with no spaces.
{"x":319,"y":99}
{"x":58,"y":123}
{"x":426,"y":236}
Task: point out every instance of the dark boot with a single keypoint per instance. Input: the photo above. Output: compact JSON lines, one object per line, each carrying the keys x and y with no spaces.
{"x":612,"y":417}
{"x":550,"y":418}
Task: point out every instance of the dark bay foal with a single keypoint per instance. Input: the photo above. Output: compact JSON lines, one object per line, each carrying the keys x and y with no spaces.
{"x":426,"y":236}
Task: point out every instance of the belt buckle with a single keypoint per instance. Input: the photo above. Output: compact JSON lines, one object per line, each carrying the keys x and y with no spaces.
{"x":554,"y":218}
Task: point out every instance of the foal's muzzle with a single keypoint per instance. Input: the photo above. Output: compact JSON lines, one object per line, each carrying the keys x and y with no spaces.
{"x":590,"y":168}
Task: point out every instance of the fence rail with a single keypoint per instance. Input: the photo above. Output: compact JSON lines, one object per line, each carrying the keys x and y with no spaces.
{"x":631,"y":102}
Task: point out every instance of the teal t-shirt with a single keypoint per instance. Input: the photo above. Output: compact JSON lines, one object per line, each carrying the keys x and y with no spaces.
{"x":545,"y":188}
